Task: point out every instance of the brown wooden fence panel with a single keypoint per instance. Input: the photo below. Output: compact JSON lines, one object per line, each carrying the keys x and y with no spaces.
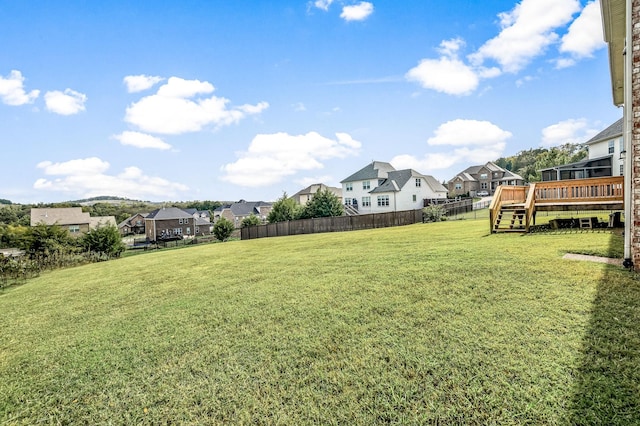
{"x":332,"y":224}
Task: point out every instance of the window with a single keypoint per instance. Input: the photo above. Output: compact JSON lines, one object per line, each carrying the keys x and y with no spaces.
{"x":621,"y":170}
{"x":366,"y":201}
{"x":177,"y":231}
{"x":484,"y":185}
{"x":366,"y":184}
{"x":458,"y":186}
{"x":414,"y":198}
{"x":383,"y":200}
{"x":347,"y":201}
{"x":74,"y":229}
{"x":483,"y":176}
{"x":349,"y":186}
{"x":621,"y":144}
{"x":197,"y":229}
{"x":418,"y":183}
{"x":611,"y":147}
{"x":188,"y":230}
{"x":186,"y":220}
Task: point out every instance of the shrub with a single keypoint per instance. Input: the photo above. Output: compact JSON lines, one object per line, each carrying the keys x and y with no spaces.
{"x":434,"y":213}
{"x":223,"y":229}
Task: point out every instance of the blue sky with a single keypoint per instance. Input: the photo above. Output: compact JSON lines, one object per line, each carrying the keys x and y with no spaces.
{"x":229,"y":100}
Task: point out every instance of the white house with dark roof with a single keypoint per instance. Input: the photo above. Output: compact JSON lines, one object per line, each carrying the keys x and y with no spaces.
{"x":606,"y":155}
{"x":379,"y":187}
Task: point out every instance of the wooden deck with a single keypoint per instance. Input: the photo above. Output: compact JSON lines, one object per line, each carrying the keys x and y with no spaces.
{"x":513,"y":207}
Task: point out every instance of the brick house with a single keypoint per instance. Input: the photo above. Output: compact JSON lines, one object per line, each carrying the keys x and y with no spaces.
{"x":133,"y":224}
{"x":236,"y":212}
{"x":621,"y":23}
{"x":305,"y":195}
{"x":73,"y":219}
{"x":486,"y":177}
{"x":172,"y":223}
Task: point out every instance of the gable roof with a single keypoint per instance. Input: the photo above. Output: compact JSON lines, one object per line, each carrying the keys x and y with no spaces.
{"x":102,"y":221}
{"x":167,"y":213}
{"x":373,"y":170}
{"x":610,"y":132}
{"x":59,"y":216}
{"x":397,"y":179}
{"x":243,"y":208}
{"x":316,"y":187}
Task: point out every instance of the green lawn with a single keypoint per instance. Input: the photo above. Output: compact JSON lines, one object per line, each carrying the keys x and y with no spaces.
{"x":424,"y":324}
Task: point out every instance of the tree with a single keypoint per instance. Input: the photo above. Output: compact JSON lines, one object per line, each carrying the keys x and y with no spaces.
{"x":251,"y":220}
{"x":323,"y":204}
{"x":104,"y":240}
{"x":47,"y":240}
{"x":223,"y":229}
{"x":283,"y":209}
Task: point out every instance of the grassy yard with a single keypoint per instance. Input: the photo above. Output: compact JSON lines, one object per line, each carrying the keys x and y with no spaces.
{"x":424,"y":324}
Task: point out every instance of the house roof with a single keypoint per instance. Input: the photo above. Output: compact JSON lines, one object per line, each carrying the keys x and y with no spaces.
{"x":464,"y":176}
{"x":373,"y":170}
{"x":127,"y":221}
{"x":244,"y":208}
{"x":397,"y":179}
{"x":614,"y":22}
{"x":610,"y":132}
{"x":200,"y":213}
{"x":102,"y":221}
{"x":312,"y":189}
{"x":59,"y":216}
{"x":509,"y":175}
{"x":166,"y":213}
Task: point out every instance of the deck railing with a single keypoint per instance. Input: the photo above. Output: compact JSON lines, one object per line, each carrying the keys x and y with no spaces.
{"x":580,"y":190}
{"x":562,"y":192}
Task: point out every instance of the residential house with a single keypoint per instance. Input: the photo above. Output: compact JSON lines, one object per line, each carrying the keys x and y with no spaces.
{"x":172,"y":223}
{"x":306,"y":194}
{"x":379,"y":187}
{"x":133,"y":225}
{"x":482,"y":178}
{"x":73,"y":219}
{"x":236,"y":212}
{"x":606,"y":153}
{"x":202,"y":218}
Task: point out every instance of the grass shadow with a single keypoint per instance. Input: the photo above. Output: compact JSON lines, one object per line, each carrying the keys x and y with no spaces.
{"x":607,"y":390}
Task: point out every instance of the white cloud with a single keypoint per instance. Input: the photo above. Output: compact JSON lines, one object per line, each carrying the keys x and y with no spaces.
{"x":138,"y":83}
{"x":585,"y":33}
{"x":272,"y":157}
{"x":568,"y":131}
{"x":87,"y":178}
{"x":141,"y":140}
{"x":171,"y":111}
{"x":68,"y":102}
{"x":448,"y":74}
{"x":323,"y":4}
{"x":358,"y":12}
{"x":12,"y":90}
{"x":461,"y":132}
{"x":472,"y":141}
{"x":526,"y":32}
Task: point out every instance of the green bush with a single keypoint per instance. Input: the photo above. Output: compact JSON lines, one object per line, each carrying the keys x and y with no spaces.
{"x":223,"y":229}
{"x":434,"y":213}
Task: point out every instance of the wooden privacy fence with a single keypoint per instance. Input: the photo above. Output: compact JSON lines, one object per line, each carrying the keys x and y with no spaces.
{"x":332,"y":224}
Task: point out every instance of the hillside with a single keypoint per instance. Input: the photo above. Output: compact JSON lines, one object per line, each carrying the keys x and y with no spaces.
{"x":419,"y":324}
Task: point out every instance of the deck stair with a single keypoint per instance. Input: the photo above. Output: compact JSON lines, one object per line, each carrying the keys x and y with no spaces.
{"x":511,"y":218}
{"x":350,"y":210}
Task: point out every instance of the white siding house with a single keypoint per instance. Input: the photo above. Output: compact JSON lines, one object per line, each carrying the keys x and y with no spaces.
{"x":609,"y":143}
{"x":379,"y":188}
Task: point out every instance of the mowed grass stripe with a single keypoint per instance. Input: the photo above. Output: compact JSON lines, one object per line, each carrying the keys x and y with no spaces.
{"x":407,"y":325}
